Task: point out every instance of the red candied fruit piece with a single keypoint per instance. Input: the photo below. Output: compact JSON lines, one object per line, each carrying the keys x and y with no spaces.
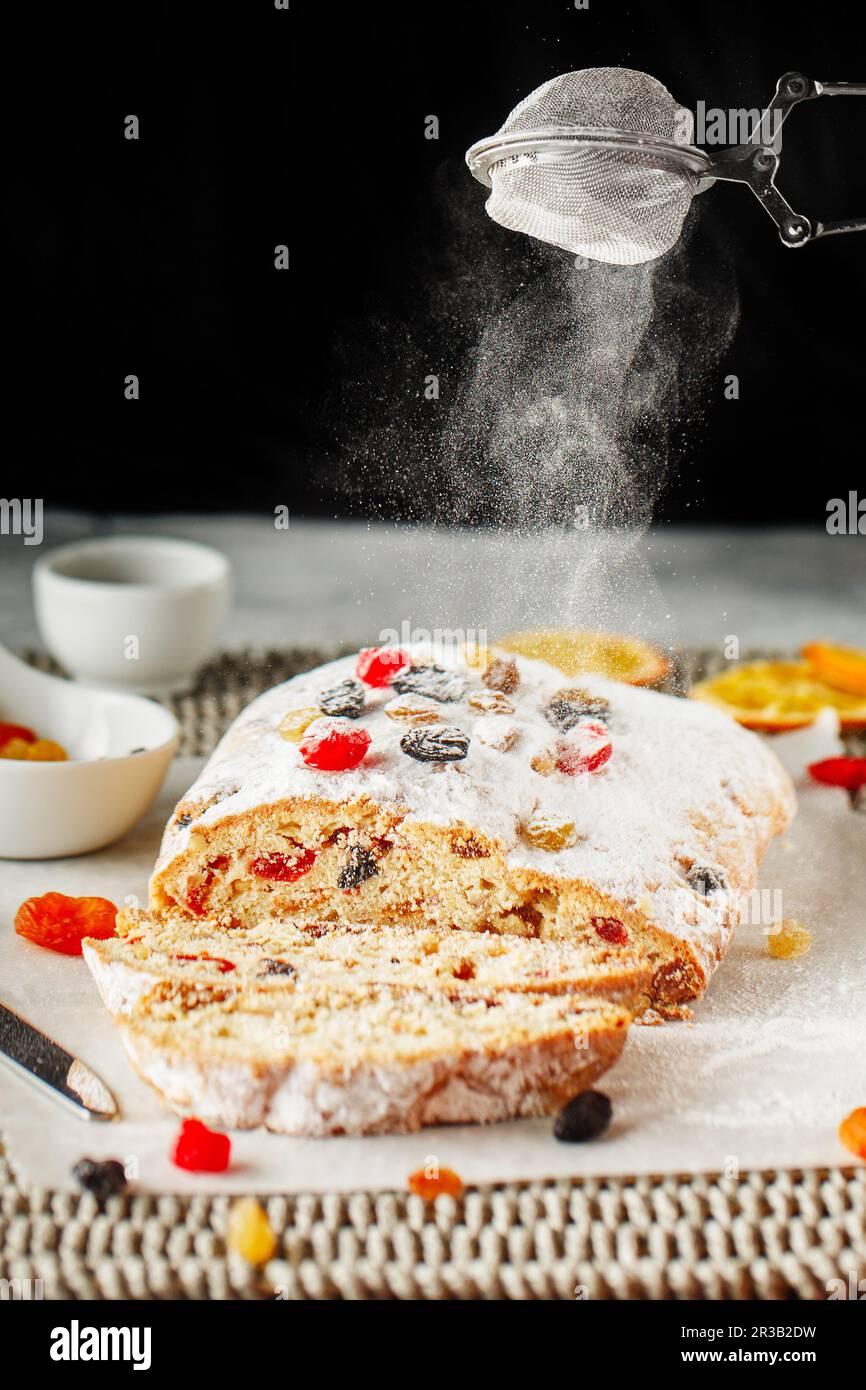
{"x":283,"y":867}
{"x":10,"y":731}
{"x":334,"y":745}
{"x":584,"y":748}
{"x":610,"y":929}
{"x":377,"y":665}
{"x":59,"y":923}
{"x":201,"y":1150}
{"x":438,"y":1182}
{"x":849,"y":773}
{"x":197,"y":896}
{"x":224,"y":965}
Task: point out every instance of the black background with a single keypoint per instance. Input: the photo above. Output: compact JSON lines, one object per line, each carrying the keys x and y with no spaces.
{"x":305,"y":127}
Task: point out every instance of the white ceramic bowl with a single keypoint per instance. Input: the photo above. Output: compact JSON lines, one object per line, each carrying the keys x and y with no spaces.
{"x":131,"y":612}
{"x":49,"y":810}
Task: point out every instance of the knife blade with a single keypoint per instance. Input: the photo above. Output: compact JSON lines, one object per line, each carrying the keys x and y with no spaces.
{"x":53,"y":1070}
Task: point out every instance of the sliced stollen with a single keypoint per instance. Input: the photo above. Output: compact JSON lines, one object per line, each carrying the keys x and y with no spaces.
{"x":367,"y":1059}
{"x":655,"y":848}
{"x":274,"y":956}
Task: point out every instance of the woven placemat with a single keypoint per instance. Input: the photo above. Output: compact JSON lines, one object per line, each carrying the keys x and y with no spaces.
{"x":767,"y":1235}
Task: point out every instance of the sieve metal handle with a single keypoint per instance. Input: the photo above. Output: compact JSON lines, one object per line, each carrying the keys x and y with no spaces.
{"x":756,"y":162}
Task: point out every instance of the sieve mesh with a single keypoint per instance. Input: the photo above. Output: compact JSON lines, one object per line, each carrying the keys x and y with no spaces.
{"x":596,"y":202}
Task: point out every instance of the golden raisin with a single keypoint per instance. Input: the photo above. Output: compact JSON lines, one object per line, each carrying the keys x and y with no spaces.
{"x":294,"y":725}
{"x":545,"y":832}
{"x":544,"y":763}
{"x":249,"y":1232}
{"x":502,"y":675}
{"x":491,"y":702}
{"x":413,"y":709}
{"x":433,"y":1181}
{"x":852,"y":1132}
{"x":789,"y":940}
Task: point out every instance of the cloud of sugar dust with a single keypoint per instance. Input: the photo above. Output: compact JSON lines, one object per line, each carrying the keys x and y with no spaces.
{"x":577,"y":389}
{"x":568,"y":390}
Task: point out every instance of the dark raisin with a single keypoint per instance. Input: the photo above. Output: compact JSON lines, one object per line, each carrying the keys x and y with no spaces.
{"x":269,"y":966}
{"x":183,"y":821}
{"x":502,"y":675}
{"x":585,"y":1117}
{"x":567,"y":707}
{"x":437,"y":745}
{"x":432,"y":681}
{"x":359,"y":866}
{"x":706,"y":881}
{"x":345,"y":700}
{"x":104,"y":1178}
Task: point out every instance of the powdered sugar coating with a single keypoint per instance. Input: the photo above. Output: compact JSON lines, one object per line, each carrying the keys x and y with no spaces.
{"x":684,"y":786}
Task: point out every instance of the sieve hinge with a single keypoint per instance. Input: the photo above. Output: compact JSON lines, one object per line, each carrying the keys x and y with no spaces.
{"x":756,"y":162}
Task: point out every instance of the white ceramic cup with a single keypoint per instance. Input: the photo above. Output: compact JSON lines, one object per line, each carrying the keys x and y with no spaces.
{"x":137,"y":613}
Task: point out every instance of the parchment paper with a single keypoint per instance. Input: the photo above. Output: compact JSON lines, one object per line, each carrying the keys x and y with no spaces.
{"x":773,"y":1060}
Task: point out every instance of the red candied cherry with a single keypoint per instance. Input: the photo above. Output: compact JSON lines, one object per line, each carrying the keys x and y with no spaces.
{"x":610,"y":929}
{"x":334,"y":745}
{"x":201,"y":1150}
{"x":584,"y":748}
{"x":849,"y":773}
{"x":8,"y":732}
{"x":377,"y":665}
{"x":284,"y":868}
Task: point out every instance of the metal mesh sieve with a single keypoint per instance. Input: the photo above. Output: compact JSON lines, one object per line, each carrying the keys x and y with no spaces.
{"x":594,"y":162}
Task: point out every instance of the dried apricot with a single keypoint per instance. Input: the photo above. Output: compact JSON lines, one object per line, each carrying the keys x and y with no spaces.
{"x":852,"y":1132}
{"x":45,"y":750}
{"x":434,"y":1181}
{"x":60,"y":923}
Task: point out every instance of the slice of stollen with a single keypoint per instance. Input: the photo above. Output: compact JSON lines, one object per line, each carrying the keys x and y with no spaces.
{"x":367,"y":1059}
{"x":277,"y":955}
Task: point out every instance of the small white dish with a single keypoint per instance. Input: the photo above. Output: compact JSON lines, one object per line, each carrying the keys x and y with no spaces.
{"x":137,"y":613}
{"x":119,"y":746}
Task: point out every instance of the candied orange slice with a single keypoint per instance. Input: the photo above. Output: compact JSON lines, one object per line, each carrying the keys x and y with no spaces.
{"x":842,"y":667}
{"x":574,"y":651}
{"x":774,"y":696}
